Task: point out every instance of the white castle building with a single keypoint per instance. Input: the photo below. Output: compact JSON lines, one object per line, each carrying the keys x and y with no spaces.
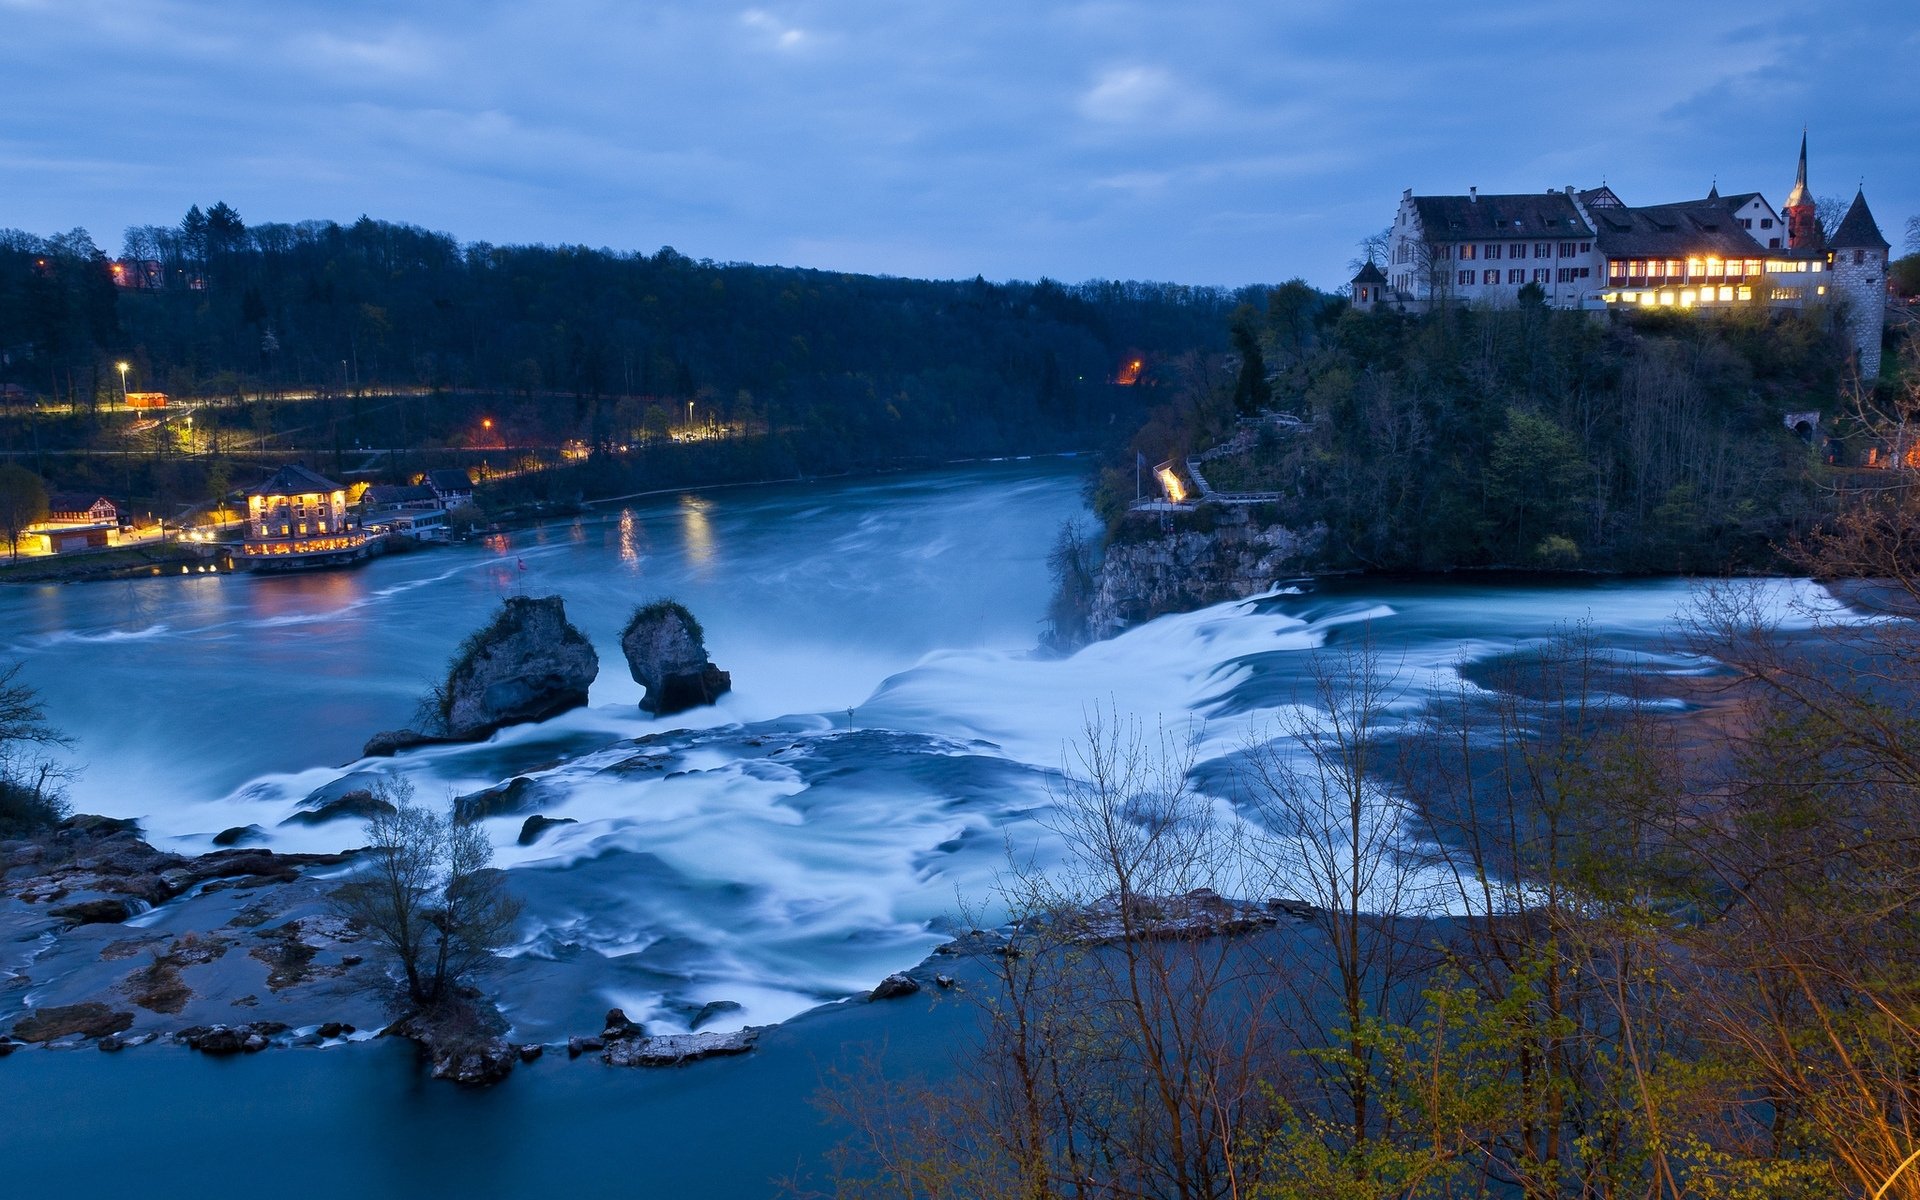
{"x":1590,"y":250}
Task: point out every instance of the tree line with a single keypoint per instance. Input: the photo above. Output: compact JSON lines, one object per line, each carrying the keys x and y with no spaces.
{"x":1528,"y":437}
{"x":215,"y":307}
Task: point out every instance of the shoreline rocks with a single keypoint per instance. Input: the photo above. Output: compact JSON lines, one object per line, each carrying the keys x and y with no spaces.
{"x":666,"y":653}
{"x":674,"y":1049}
{"x":89,"y":1019}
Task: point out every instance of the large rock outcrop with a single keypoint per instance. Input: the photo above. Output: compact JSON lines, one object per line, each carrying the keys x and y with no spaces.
{"x":667,"y":653}
{"x":1146,"y":573}
{"x":528,"y":665}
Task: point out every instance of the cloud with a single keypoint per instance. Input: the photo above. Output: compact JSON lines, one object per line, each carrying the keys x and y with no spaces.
{"x":774,"y":31}
{"x":396,"y":53}
{"x":1213,"y":141}
{"x":1134,"y":94}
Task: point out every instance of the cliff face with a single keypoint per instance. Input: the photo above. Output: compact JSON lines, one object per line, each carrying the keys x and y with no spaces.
{"x":1182,"y":570}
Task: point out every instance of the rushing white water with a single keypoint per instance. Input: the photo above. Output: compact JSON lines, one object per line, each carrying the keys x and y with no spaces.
{"x":890,"y":733}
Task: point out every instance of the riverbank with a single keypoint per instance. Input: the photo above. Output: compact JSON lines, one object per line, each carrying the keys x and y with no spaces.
{"x":133,"y":562}
{"x":228,"y":1129}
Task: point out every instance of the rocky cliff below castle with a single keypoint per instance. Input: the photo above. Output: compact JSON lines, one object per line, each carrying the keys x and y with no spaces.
{"x":1146,"y":572}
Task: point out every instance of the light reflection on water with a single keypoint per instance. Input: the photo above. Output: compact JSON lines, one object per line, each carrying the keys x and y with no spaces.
{"x":629,"y":541}
{"x":697,"y":531}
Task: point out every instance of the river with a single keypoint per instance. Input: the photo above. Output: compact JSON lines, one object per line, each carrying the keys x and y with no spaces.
{"x":890,"y":734}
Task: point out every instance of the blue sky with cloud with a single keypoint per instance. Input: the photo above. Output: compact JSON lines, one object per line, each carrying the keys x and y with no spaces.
{"x":1200,"y":141}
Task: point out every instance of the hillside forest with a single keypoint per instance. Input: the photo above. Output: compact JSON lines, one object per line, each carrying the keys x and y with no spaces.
{"x":318,"y":341}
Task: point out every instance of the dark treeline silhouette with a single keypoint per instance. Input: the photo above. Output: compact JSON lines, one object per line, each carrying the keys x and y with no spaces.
{"x":215,"y":308}
{"x":1523,"y":437}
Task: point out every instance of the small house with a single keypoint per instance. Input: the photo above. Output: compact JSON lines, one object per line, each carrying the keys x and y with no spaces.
{"x":451,"y":487}
{"x":78,"y":521}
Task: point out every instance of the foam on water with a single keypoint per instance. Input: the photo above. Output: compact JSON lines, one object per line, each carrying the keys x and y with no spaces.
{"x":775,"y":850}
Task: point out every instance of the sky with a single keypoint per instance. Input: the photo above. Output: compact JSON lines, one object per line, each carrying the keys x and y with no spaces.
{"x":1192,"y":141}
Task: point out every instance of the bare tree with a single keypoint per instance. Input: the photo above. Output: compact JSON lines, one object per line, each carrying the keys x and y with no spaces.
{"x":1373,"y":249}
{"x":427,"y":894}
{"x":32,"y":781}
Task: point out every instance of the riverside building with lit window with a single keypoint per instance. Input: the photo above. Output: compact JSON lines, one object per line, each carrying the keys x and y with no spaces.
{"x":299,"y":519}
{"x":1590,"y":250}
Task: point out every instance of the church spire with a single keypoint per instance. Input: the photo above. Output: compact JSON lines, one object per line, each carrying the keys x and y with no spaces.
{"x":1802,"y":214}
{"x":1800,"y":195}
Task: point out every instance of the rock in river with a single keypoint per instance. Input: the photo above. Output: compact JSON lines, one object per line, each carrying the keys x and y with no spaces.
{"x":673,"y":1049}
{"x":895,"y":986}
{"x":528,"y":665}
{"x":91,"y":1019}
{"x":359,"y":804}
{"x":667,"y":653}
{"x":538,"y":824}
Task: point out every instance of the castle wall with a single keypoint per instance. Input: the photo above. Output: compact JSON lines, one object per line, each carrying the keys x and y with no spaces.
{"x":1859,"y":279}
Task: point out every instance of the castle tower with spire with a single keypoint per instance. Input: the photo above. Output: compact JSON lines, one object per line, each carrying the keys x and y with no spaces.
{"x":1802,"y":214}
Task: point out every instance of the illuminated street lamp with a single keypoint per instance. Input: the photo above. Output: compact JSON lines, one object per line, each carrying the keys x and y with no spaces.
{"x":122,"y":368}
{"x":189,"y":433}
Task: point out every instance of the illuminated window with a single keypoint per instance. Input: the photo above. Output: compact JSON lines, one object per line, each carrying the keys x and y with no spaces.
{"x":1688,"y":298}
{"x":1467,"y":252}
{"x":1726,"y":293}
{"x":1746,"y":293}
{"x":1666,"y":297}
{"x":1646,"y":297}
{"x":1616,"y":269}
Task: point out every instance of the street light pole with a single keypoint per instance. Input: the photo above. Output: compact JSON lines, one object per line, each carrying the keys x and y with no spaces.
{"x":122,"y":367}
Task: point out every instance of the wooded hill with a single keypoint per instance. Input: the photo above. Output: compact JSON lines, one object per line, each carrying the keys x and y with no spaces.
{"x":1523,"y":437}
{"x":887,"y":365}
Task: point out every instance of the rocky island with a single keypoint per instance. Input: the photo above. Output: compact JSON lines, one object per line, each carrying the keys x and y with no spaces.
{"x":667,"y":652}
{"x":528,"y":664}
